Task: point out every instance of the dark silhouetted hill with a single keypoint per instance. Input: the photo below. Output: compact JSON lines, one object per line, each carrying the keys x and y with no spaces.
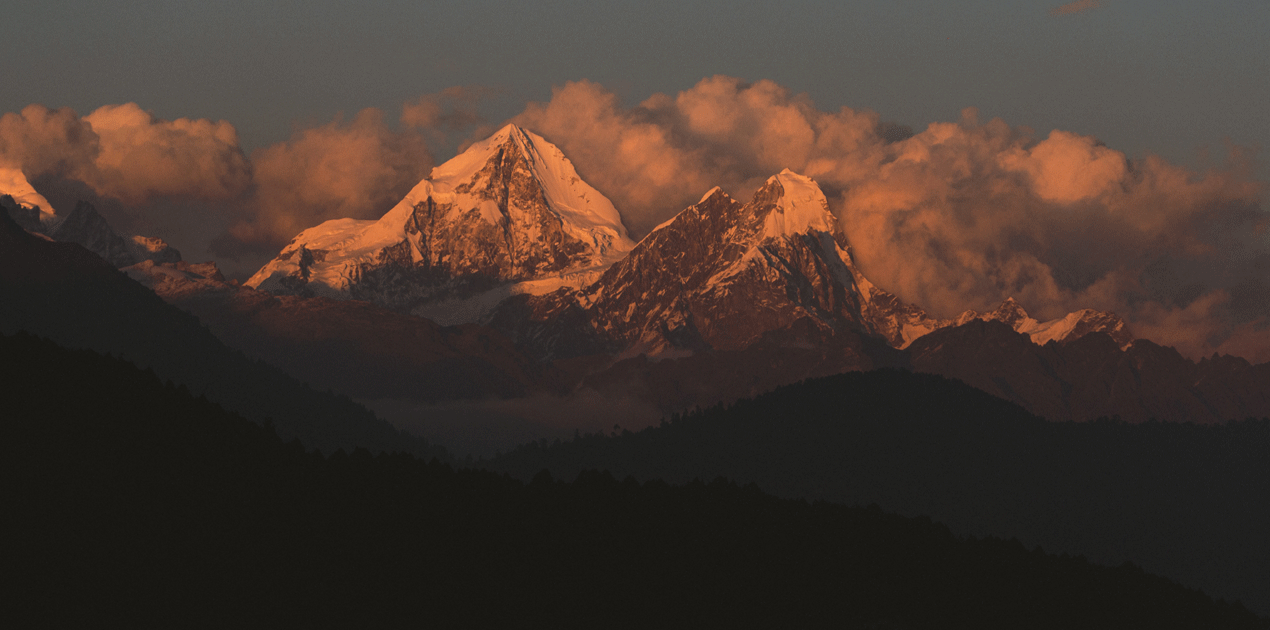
{"x":1185,"y":500}
{"x":134,"y":504}
{"x":70,"y":295}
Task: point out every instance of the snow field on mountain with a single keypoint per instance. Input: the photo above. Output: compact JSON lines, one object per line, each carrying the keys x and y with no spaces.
{"x":803,"y":208}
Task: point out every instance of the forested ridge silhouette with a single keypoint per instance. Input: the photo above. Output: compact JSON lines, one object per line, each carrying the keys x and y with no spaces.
{"x":1185,"y":500}
{"x":133,"y":503}
{"x":72,"y":296}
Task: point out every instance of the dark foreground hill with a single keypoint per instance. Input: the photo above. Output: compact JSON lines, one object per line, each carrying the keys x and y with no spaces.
{"x":70,"y":295}
{"x":137,"y":505}
{"x":1187,"y":501}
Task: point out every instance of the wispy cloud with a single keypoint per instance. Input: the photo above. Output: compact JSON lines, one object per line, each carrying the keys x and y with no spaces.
{"x":1075,"y":7}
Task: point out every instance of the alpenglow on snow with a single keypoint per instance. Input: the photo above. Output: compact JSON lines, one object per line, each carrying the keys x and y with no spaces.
{"x":509,"y":209}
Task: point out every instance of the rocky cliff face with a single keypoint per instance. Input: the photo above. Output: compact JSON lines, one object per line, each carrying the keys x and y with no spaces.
{"x":511,"y":209}
{"x":85,"y":226}
{"x":722,"y":274}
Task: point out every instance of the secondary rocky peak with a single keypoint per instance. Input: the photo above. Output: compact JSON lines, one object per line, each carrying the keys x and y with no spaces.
{"x":722,"y":274}
{"x":1010,"y":312}
{"x":713,"y":192}
{"x":82,"y":225}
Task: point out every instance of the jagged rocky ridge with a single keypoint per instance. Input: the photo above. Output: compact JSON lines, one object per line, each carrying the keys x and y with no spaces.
{"x":83,"y":225}
{"x":725,"y":287}
{"x":1092,"y":376}
{"x":536,"y":286}
{"x":508,"y":235}
{"x":722,"y":274}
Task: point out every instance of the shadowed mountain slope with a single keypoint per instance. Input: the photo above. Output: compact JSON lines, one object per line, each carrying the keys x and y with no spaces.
{"x":1184,"y":500}
{"x":354,"y":347}
{"x":70,"y":295}
{"x":140,"y":506}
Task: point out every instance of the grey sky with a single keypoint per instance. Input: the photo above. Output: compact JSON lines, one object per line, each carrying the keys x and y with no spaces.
{"x":1182,"y":254}
{"x":1169,"y":77}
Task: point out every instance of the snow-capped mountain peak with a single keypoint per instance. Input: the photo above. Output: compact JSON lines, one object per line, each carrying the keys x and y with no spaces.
{"x":720,"y":274}
{"x":509,"y":209}
{"x":1010,"y":312}
{"x":801,"y":207}
{"x":585,"y":212}
{"x":710,"y":193}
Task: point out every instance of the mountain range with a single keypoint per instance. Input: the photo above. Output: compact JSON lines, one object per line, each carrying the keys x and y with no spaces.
{"x":507,"y":234}
{"x":505,"y":274}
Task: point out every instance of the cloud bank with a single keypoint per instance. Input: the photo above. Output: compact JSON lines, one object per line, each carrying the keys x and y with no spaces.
{"x":954,"y":216}
{"x":123,"y":152}
{"x":357,"y":168}
{"x":959,"y":215}
{"x":136,"y":167}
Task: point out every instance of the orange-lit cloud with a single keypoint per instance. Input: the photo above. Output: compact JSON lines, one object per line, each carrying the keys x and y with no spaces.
{"x":959,"y":215}
{"x":1075,"y":7}
{"x":156,"y":177}
{"x":40,"y":140}
{"x":141,"y":157}
{"x":123,"y":152}
{"x":357,"y":168}
{"x":136,"y":168}
{"x":660,"y":156}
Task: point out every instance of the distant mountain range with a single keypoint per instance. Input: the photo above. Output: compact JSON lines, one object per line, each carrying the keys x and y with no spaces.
{"x":503,"y":274}
{"x":507,"y":234}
